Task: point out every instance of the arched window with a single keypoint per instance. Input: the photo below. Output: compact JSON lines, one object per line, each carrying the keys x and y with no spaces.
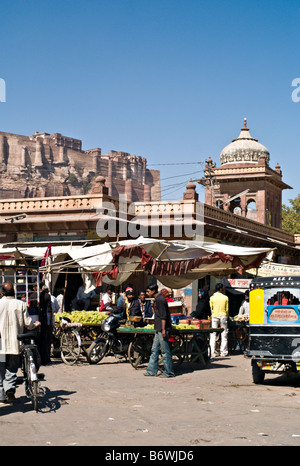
{"x":235,"y":206}
{"x":251,"y":210}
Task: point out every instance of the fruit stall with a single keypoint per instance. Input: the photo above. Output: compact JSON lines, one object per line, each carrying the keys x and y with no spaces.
{"x":188,"y":342}
{"x":90,"y":321}
{"x":73,"y":339}
{"x":175,"y":264}
{"x":188,"y":339}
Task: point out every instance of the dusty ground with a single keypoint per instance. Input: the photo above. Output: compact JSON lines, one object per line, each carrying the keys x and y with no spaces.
{"x":113,"y":404}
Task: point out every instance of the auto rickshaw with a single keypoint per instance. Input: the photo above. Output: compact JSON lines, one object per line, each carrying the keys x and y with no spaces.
{"x":274,"y":326}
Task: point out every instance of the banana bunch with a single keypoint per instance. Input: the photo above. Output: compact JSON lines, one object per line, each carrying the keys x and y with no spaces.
{"x":82,"y":317}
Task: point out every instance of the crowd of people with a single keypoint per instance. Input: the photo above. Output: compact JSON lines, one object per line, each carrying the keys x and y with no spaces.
{"x":17,"y":314}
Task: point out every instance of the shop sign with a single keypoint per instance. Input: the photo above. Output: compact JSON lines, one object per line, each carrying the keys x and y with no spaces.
{"x":239,"y":283}
{"x":283,"y":314}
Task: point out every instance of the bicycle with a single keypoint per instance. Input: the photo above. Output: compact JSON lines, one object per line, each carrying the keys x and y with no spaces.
{"x":30,"y":364}
{"x":69,"y":340}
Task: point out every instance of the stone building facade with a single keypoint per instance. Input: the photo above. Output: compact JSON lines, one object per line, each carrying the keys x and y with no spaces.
{"x":45,"y":165}
{"x":245,"y":184}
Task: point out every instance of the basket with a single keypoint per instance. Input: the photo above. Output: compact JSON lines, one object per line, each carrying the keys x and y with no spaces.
{"x":135,"y":318}
{"x":204,"y":323}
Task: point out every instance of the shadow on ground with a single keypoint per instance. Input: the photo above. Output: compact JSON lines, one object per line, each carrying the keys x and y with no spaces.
{"x":49,"y":401}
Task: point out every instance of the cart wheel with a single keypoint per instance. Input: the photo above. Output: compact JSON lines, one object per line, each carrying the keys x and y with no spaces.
{"x":139,"y":351}
{"x":198,"y":352}
{"x":70,"y":347}
{"x":258,"y":374}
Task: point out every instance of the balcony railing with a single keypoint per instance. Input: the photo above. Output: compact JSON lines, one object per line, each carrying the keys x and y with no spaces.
{"x":81,"y":203}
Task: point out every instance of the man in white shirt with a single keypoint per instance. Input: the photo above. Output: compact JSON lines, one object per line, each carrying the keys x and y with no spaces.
{"x":60,"y":300}
{"x":54,"y":306}
{"x":244,"y":309}
{"x":106,"y":302}
{"x":13,"y":318}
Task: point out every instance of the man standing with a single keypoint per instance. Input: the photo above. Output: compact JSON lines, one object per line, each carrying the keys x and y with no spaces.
{"x":219,"y":318}
{"x":13,"y":318}
{"x":47,"y":324}
{"x":162,"y":324}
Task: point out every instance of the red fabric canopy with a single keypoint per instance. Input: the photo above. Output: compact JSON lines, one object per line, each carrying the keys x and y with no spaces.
{"x":176,"y":268}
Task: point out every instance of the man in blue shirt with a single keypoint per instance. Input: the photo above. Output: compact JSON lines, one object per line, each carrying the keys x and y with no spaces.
{"x":145,"y":305}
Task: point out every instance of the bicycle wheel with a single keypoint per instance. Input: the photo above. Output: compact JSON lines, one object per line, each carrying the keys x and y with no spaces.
{"x":70,"y":347}
{"x":31,"y":383}
{"x":35,"y":394}
{"x":97,"y":350}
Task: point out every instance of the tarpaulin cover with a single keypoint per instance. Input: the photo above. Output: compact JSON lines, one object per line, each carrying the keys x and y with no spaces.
{"x":175,"y":263}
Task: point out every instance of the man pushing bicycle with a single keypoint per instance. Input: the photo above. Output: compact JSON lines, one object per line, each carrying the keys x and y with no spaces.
{"x":13,"y":318}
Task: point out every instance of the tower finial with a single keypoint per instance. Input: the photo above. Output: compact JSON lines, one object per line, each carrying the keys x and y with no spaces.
{"x":245,"y":122}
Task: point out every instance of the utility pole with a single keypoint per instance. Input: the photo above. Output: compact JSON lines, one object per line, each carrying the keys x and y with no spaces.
{"x":210,"y":165}
{"x":209,"y":177}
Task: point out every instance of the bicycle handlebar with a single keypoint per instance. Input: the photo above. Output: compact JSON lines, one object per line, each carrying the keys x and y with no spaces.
{"x":32,"y":334}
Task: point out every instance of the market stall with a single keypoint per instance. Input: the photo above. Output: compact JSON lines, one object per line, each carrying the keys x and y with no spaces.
{"x":74,"y":332}
{"x":174,"y":263}
{"x":186,"y":344}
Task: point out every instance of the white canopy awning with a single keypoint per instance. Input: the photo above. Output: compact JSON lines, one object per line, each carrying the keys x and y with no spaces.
{"x":175,"y":263}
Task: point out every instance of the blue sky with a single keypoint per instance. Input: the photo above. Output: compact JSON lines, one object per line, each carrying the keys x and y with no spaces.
{"x":168,"y":80}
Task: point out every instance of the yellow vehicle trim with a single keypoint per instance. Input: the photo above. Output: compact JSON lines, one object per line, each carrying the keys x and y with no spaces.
{"x":256,"y":305}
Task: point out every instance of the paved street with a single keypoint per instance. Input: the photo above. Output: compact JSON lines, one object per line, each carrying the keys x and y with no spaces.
{"x":112,"y":404}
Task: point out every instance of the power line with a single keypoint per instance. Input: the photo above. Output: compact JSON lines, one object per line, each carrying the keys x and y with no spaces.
{"x":184,"y":174}
{"x":170,"y":186}
{"x":183,"y":163}
{"x":177,"y":187}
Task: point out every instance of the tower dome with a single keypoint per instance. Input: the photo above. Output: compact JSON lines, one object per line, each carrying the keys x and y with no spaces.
{"x":244,"y":149}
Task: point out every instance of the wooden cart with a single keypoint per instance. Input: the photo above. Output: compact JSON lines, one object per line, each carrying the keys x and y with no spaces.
{"x":71,"y":341}
{"x":238,"y":336}
{"x":190,"y":345}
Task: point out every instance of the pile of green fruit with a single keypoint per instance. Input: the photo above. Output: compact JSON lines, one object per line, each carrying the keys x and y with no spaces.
{"x":184,"y":326}
{"x":82,"y":317}
{"x":177,"y":327}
